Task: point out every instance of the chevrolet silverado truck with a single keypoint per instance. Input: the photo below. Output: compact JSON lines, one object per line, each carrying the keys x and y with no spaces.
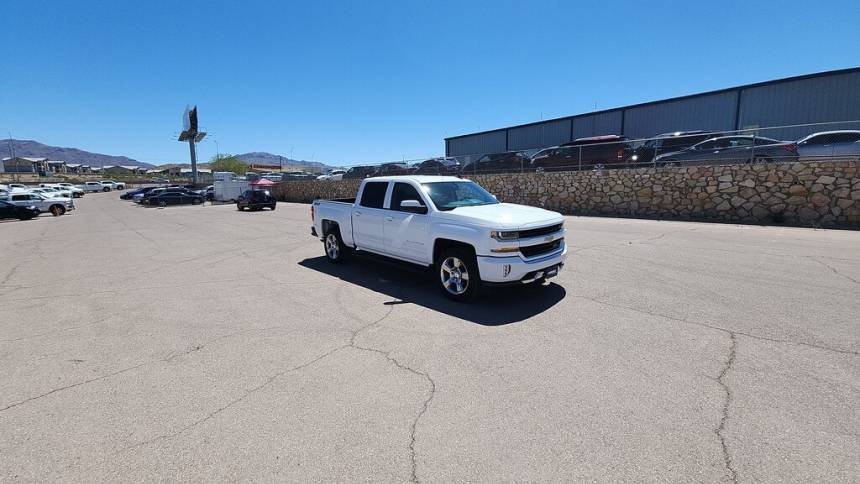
{"x":450,"y":224}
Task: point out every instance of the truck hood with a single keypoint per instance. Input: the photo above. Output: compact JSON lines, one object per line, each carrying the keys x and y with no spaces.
{"x":503,"y":216}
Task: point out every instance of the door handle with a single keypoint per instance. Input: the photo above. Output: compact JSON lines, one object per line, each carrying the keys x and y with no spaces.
{"x":356,"y":214}
{"x":389,"y":219}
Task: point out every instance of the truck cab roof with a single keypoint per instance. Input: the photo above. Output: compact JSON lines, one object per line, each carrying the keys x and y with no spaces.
{"x":416,"y":178}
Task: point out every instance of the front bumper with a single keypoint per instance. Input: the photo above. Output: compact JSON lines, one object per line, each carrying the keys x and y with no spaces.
{"x":516,"y":270}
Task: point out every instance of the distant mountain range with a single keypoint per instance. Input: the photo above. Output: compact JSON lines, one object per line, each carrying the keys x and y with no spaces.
{"x":263,"y":158}
{"x":34,"y":149}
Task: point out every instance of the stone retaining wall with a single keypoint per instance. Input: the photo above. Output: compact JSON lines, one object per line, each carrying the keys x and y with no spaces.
{"x":825,"y":193}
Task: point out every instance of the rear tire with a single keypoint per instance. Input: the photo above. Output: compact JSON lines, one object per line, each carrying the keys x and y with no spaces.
{"x":273,"y":207}
{"x":335,"y":250}
{"x":57,"y":210}
{"x":106,"y":189}
{"x":195,"y":201}
{"x":457,"y":273}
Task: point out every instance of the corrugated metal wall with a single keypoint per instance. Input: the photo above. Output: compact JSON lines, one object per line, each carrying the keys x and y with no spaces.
{"x":816,"y":100}
{"x":544,"y":134}
{"x":822,"y":98}
{"x":597,"y":124}
{"x":492,"y":142}
{"x":715,"y":112}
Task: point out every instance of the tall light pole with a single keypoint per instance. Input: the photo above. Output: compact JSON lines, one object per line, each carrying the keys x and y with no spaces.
{"x":217,"y":151}
{"x":192,"y":136}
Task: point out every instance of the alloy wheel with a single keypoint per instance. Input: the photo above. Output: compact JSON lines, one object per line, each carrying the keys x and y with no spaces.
{"x":454,"y":276}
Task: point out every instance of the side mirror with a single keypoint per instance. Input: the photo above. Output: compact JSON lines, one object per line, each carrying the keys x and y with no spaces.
{"x":413,"y":206}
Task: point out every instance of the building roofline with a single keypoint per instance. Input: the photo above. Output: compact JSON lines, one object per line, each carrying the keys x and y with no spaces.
{"x":849,"y":70}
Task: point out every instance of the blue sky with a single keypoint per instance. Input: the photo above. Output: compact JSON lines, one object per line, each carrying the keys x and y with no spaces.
{"x":352,"y":82}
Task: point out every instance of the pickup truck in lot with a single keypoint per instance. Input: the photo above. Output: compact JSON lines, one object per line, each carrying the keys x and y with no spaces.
{"x":448,"y":223}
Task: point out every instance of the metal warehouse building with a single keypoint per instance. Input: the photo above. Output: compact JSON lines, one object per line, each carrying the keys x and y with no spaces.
{"x":815,"y":98}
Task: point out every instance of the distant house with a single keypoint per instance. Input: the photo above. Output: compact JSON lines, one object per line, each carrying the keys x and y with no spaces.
{"x":124,"y":170}
{"x":203,"y":174}
{"x":77,"y":168}
{"x":56,"y":166}
{"x":24,"y":164}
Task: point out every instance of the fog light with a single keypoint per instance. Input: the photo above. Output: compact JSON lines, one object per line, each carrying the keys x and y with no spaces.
{"x":506,"y":269}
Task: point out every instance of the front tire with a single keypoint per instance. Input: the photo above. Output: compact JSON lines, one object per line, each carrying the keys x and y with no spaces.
{"x":335,"y":250}
{"x":458,"y":276}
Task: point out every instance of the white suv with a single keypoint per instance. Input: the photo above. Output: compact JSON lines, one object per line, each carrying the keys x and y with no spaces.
{"x":113,"y":185}
{"x":94,"y":187}
{"x":56,"y":205}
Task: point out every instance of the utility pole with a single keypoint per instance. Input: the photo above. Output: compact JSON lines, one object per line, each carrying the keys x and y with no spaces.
{"x":12,"y":157}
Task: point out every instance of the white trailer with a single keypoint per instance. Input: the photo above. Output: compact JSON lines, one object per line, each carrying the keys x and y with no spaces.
{"x":228,"y":187}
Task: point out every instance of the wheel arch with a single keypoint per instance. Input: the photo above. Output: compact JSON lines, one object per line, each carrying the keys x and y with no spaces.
{"x":441,"y":244}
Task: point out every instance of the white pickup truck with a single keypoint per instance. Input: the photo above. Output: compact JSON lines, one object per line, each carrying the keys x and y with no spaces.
{"x":451,"y":224}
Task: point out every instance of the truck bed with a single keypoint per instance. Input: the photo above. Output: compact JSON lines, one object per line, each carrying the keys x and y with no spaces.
{"x":350,"y":201}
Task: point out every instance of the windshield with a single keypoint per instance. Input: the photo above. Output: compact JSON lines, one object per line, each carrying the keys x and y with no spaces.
{"x":450,"y":195}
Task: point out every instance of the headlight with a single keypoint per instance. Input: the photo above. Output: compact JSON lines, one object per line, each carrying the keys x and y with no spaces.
{"x":504,"y":236}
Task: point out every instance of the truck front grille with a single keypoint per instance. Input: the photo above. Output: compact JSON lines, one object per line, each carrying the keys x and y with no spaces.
{"x":551,"y":229}
{"x":539,"y":249}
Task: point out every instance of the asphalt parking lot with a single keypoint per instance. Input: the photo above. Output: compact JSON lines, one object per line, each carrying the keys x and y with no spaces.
{"x":203,"y":344}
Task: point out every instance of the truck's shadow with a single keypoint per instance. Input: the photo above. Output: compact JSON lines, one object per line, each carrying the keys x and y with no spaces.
{"x":499,"y":306}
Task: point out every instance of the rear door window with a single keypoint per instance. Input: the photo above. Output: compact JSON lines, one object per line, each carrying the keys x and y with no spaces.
{"x":373,"y":195}
{"x":845,"y":137}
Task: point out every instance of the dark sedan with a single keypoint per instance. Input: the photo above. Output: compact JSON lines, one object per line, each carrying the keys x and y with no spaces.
{"x":509,"y":161}
{"x":129,"y":195}
{"x":732,"y":149}
{"x":669,"y":143}
{"x":393,"y":169}
{"x":256,"y":200}
{"x":8,"y":210}
{"x":359,"y":172}
{"x":438,"y":166}
{"x":177,"y":197}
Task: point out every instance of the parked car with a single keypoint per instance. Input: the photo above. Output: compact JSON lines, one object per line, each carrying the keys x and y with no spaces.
{"x":256,"y":200}
{"x":129,"y":195}
{"x":359,"y":172}
{"x":393,"y":169}
{"x":173,"y":197}
{"x":56,"y":205}
{"x":830,"y":144}
{"x":438,"y":166}
{"x":51,"y":192}
{"x":449,"y":223}
{"x":333,"y":175}
{"x":510,"y":161}
{"x":75,"y":191}
{"x":732,"y":149}
{"x":113,"y":185}
{"x":139,"y":197}
{"x":208,"y":193}
{"x":9,"y":210}
{"x":600,"y":151}
{"x":94,"y":187}
{"x":669,"y":143}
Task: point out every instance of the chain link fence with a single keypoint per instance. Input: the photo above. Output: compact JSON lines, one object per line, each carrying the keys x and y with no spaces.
{"x":830,"y":141}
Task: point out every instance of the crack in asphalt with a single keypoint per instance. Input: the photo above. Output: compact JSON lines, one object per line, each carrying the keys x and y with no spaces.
{"x":351,"y":344}
{"x":74,"y":385}
{"x":727,"y":458}
{"x":725,"y":330}
{"x":235,"y":401}
{"x":835,"y":271}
